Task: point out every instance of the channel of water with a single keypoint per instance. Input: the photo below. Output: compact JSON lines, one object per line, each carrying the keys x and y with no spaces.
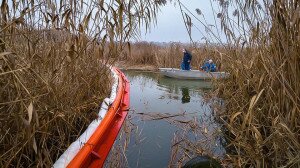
{"x":170,"y":121}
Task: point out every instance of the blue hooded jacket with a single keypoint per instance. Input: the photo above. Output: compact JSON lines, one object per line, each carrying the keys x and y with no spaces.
{"x":209,"y":67}
{"x":187,"y":57}
{"x":186,"y":62}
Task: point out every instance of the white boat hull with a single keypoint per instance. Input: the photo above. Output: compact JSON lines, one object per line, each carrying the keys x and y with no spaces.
{"x":192,"y":74}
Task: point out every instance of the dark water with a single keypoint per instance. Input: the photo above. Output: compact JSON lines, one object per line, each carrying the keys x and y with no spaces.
{"x":151,"y":139}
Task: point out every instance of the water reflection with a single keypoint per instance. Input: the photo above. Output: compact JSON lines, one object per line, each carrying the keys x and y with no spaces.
{"x":165,"y":112}
{"x":185,"y":95}
{"x":167,"y":82}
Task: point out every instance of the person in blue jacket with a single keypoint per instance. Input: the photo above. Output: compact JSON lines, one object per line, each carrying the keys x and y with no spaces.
{"x":209,"y":66}
{"x":186,"y":62}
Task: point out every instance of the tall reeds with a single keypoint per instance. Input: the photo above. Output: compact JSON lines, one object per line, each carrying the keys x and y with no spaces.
{"x":170,"y":54}
{"x":53,"y":73}
{"x":262,"y":95}
{"x":261,"y":115}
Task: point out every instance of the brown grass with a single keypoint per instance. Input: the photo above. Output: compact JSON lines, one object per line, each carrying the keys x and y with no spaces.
{"x":170,"y":54}
{"x":262,"y":110}
{"x":262,"y":96}
{"x":52,"y":71}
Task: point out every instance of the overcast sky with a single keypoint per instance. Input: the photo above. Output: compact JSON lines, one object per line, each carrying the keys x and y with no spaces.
{"x":170,"y":25}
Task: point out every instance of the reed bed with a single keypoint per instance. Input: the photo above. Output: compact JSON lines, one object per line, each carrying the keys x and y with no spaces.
{"x":46,"y":100}
{"x":53,"y":74}
{"x":261,"y":113}
{"x":170,"y":54}
{"x":262,"y":95}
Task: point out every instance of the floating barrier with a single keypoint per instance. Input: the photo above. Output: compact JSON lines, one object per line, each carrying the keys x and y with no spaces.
{"x":93,"y":146}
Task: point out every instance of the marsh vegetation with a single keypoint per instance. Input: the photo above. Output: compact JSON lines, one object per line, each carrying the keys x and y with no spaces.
{"x":261,"y":52}
{"x":53,"y":74}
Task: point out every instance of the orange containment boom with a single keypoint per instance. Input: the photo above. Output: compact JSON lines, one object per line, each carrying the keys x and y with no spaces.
{"x":94,"y":152}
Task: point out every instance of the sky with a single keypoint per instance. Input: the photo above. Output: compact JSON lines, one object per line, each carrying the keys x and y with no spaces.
{"x":170,"y":25}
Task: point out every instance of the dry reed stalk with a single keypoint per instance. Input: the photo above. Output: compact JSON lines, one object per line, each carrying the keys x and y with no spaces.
{"x":52,"y":71}
{"x":203,"y":140}
{"x":117,"y":156}
{"x":170,"y":54}
{"x":262,"y":96}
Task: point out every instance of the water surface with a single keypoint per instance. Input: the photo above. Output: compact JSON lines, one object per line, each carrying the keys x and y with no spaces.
{"x":152,"y":137}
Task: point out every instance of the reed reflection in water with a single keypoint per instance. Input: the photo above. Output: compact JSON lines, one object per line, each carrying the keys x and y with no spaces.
{"x":167,"y":117}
